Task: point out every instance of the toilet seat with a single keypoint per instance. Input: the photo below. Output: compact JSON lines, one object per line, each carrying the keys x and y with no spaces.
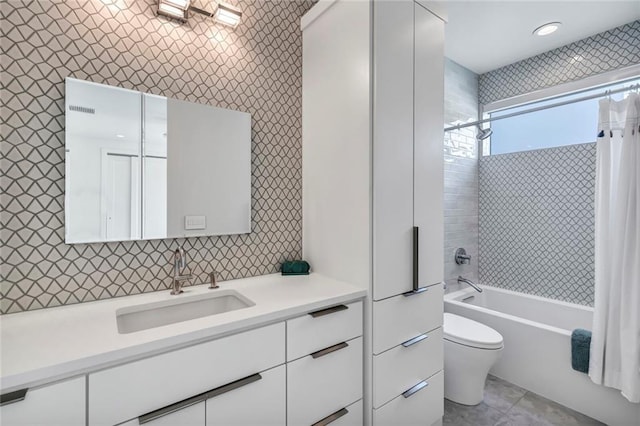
{"x":467,"y":332}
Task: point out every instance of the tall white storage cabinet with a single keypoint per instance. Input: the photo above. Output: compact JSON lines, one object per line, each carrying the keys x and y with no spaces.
{"x":373,"y":187}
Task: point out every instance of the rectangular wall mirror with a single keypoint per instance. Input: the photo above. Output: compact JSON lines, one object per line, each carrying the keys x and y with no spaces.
{"x":140,"y":166}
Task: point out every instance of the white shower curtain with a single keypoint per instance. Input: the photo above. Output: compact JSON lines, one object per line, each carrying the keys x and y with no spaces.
{"x":615,"y":343}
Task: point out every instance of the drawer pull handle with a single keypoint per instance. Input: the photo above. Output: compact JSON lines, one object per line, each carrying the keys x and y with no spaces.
{"x":169,"y":409}
{"x":414,"y":292}
{"x":415,"y":389}
{"x":330,"y":349}
{"x":332,"y":417}
{"x":328,"y":311}
{"x":415,"y":340}
{"x":416,"y":259}
{"x":11,"y":397}
{"x":233,"y":385}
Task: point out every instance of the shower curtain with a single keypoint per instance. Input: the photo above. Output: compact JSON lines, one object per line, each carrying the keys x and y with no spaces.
{"x":615,"y":344}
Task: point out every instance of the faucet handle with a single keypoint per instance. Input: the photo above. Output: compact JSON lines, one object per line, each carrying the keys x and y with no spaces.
{"x":212,"y":280}
{"x":461,"y":257}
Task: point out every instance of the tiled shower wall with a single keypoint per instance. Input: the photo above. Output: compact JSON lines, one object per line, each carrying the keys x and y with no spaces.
{"x":607,"y":51}
{"x":255,"y":68}
{"x":537,"y":222}
{"x":460,"y":172}
{"x":536,"y":207}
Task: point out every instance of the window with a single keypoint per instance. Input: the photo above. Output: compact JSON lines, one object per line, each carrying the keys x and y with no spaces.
{"x":569,"y":124}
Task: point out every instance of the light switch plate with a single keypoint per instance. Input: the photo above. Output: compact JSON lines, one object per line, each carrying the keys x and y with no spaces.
{"x":195,"y":222}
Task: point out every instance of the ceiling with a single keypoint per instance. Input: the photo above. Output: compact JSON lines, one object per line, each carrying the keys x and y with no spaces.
{"x":485,"y":35}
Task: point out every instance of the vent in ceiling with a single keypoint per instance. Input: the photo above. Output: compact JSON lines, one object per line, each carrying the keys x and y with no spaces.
{"x":85,"y":110}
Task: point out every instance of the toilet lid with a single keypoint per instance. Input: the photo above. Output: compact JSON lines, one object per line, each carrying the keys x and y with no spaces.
{"x":470,"y":333}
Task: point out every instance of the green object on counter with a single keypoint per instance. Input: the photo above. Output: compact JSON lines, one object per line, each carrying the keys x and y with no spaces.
{"x":295,"y":267}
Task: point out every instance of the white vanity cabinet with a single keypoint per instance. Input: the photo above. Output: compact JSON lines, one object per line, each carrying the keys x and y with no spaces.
{"x":242,"y":379}
{"x":156,"y":384}
{"x":305,"y":333}
{"x":324,"y":367}
{"x":256,"y":399}
{"x":59,"y":404}
{"x":373,"y":114}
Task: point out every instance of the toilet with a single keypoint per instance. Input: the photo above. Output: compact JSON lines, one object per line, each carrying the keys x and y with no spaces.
{"x":470,"y":350}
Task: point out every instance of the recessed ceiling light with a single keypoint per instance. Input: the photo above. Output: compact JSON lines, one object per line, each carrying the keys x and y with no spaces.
{"x":119,"y":135}
{"x":546,"y":29}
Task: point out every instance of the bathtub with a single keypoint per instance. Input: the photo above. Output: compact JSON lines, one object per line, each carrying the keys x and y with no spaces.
{"x":537,"y":349}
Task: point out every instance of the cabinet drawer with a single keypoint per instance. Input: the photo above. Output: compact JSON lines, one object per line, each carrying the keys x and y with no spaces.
{"x":130,"y":390}
{"x":400,"y":318}
{"x":318,"y":387}
{"x":323,"y":328}
{"x":424,"y":407}
{"x":60,"y":404}
{"x":397,"y":369}
{"x":258,"y":403}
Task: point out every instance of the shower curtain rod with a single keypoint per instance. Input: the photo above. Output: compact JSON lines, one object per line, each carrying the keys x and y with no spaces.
{"x":541,"y":108}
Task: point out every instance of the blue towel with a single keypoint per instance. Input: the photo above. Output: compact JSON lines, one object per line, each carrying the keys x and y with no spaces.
{"x":580,"y":344}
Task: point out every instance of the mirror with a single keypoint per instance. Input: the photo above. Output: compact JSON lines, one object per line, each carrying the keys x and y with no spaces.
{"x":140,"y":166}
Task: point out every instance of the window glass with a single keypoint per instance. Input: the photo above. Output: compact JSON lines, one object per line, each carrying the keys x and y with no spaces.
{"x":570,"y":124}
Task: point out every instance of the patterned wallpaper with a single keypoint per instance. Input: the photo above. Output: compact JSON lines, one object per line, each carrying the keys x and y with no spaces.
{"x":607,"y":51}
{"x":537,"y":222}
{"x":255,"y":68}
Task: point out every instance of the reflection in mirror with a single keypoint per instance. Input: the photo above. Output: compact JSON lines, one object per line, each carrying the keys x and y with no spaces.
{"x":102,"y":160}
{"x":141,"y":166}
{"x":154,"y":166}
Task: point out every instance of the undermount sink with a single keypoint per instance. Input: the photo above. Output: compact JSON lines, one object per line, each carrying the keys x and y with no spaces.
{"x":183,"y":308}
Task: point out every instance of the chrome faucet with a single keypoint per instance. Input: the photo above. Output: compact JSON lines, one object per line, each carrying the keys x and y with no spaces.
{"x":179,"y":266}
{"x":466,"y":281}
{"x":212,"y":281}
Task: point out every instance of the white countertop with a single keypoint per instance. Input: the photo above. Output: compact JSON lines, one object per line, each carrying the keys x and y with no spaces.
{"x":51,"y":344}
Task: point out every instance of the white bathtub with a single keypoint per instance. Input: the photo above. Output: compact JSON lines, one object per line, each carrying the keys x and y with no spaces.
{"x":537,"y":349}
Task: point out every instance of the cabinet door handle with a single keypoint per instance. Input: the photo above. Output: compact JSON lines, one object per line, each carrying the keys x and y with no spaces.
{"x":169,"y":409}
{"x":415,"y":389}
{"x":416,"y":291}
{"x":330,"y":349}
{"x":415,"y":258}
{"x":328,"y":311}
{"x":11,"y":397}
{"x":415,"y":340}
{"x":332,"y":417}
{"x":233,"y":385}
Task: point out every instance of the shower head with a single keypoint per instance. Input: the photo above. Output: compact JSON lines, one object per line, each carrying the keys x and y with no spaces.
{"x":483,"y":133}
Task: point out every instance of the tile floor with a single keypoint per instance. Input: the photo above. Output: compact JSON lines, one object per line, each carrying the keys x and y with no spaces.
{"x":506,"y":404}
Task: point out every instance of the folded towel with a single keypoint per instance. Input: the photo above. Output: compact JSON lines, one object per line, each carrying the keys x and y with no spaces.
{"x":295,"y":267}
{"x":580,"y":344}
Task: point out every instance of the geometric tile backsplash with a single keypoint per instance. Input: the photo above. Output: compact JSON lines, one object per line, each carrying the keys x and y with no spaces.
{"x":537,"y":222}
{"x":610,"y":50}
{"x":255,"y":68}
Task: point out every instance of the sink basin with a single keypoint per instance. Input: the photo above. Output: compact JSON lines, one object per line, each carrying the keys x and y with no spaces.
{"x":183,"y":308}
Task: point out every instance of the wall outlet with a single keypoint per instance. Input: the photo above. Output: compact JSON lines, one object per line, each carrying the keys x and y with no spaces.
{"x":195,"y":222}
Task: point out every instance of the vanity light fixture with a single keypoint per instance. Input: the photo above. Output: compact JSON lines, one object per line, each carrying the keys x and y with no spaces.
{"x":222,"y":13}
{"x":174,"y":8}
{"x":227,"y":15}
{"x":546,"y":29}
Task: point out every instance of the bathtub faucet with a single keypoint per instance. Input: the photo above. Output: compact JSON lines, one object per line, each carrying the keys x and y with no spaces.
{"x":466,"y":281}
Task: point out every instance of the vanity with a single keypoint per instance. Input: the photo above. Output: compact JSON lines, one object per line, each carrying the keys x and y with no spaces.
{"x":289,"y":350}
